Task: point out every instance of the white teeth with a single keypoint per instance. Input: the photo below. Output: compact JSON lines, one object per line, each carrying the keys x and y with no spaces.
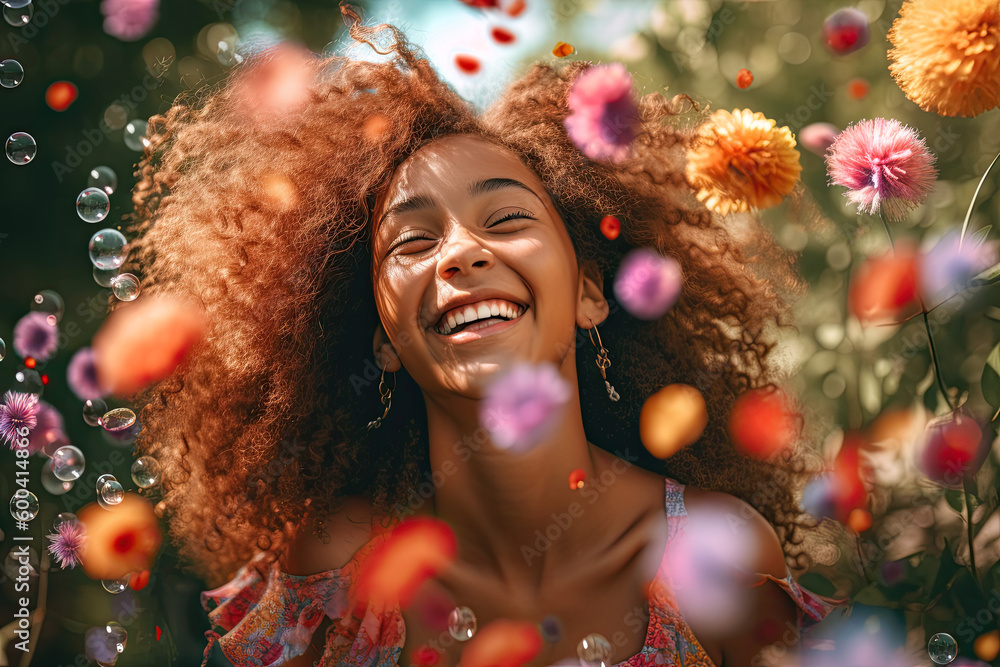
{"x":495,"y":309}
{"x":483,"y":311}
{"x":460,"y":316}
{"x":452,"y":322}
{"x":480,"y":311}
{"x":470,"y":314}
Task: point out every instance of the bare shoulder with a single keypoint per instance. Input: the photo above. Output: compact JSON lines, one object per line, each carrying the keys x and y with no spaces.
{"x":765,"y":554}
{"x":349,"y":529}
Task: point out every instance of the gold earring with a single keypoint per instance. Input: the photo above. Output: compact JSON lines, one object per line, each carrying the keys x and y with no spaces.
{"x":386,"y":396}
{"x":602,"y":361}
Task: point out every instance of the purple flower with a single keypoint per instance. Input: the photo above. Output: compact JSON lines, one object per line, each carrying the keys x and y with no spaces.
{"x":128,"y":20}
{"x":884,"y":165}
{"x":81,"y":375}
{"x":18,"y":410}
{"x":99,"y":646}
{"x":35,"y":335}
{"x":604,"y":118}
{"x":647,"y":283}
{"x":946,"y":270}
{"x":522,"y":406}
{"x":49,"y":428}
{"x":818,"y":137}
{"x":66,"y":543}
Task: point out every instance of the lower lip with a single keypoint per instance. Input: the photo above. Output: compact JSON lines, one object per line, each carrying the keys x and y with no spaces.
{"x":466,"y":336}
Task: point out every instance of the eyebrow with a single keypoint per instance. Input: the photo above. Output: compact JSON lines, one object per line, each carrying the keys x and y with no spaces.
{"x":478,"y":188}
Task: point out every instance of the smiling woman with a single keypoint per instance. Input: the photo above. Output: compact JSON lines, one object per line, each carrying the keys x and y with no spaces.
{"x":372,"y":215}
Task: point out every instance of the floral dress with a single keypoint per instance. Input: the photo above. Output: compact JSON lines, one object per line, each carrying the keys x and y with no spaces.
{"x":265,"y":616}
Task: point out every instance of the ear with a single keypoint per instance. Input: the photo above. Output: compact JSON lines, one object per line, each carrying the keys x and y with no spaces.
{"x":592,"y":308}
{"x":385,"y":353}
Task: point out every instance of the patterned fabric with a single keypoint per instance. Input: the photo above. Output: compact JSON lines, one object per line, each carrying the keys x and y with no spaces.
{"x":265,"y":616}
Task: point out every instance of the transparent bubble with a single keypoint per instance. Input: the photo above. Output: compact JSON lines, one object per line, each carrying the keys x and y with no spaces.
{"x":103,"y":178}
{"x":135,"y":134}
{"x":12,"y":563}
{"x":146,"y":472}
{"x":461,"y":623}
{"x":125,"y":287}
{"x":24,"y":505}
{"x":594,"y":649}
{"x":104,"y":277}
{"x":104,"y":478}
{"x":117,"y":634}
{"x":15,"y":4}
{"x":53,"y":484}
{"x":68,"y":463}
{"x":3,"y":349}
{"x":108,"y":249}
{"x":115,"y":586}
{"x":942,"y":648}
{"x":11,"y":73}
{"x":112,"y":492}
{"x":54,"y":439}
{"x":64,"y":517}
{"x":93,"y":410}
{"x":18,"y":17}
{"x":117,"y":419}
{"x":21,"y":148}
{"x":28,"y":381}
{"x":93,"y":205}
{"x":48,"y":301}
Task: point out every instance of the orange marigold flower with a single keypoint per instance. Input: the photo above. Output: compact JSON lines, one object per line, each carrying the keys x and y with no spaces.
{"x":740,"y":160}
{"x":947,"y":55}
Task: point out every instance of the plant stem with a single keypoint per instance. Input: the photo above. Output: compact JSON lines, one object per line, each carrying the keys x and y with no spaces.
{"x":934,"y":361}
{"x":967,"y":484}
{"x":885,"y":225}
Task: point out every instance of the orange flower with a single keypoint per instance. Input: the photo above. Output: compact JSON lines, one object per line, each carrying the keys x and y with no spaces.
{"x":740,"y":160}
{"x":947,"y":55}
{"x":120,"y":540}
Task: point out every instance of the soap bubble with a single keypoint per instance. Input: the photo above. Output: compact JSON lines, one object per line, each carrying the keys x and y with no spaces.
{"x":146,"y":472}
{"x":68,"y":463}
{"x":104,"y":277}
{"x":21,"y":148}
{"x":11,"y":73}
{"x":18,"y":17}
{"x":53,"y":484}
{"x":112,"y":492}
{"x":64,"y":517}
{"x":125,"y":287}
{"x":108,"y":249}
{"x":93,"y":410}
{"x":93,"y":205}
{"x":135,"y":135}
{"x":48,"y":301}
{"x":24,"y":505}
{"x":103,"y":178}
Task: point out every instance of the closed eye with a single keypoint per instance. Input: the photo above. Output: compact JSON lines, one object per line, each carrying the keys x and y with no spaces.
{"x":415,"y":236}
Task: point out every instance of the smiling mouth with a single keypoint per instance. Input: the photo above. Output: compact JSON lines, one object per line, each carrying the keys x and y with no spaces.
{"x":444,"y":328}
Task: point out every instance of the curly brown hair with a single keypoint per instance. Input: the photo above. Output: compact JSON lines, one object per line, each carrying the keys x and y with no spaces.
{"x":264,"y":422}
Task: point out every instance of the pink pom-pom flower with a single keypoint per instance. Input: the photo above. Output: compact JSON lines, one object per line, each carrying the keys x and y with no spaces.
{"x":36,"y":336}
{"x":19,"y":410}
{"x":884,"y":165}
{"x":129,"y":20}
{"x":604,"y":118}
{"x":647,"y":283}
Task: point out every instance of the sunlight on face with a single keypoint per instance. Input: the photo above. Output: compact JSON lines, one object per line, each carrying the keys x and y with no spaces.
{"x":463,"y":216}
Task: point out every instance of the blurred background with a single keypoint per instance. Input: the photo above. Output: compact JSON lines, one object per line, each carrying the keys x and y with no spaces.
{"x":90,"y":81}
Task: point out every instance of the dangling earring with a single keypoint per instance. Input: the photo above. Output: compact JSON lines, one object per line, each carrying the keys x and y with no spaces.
{"x":386,"y":393}
{"x":602,"y":361}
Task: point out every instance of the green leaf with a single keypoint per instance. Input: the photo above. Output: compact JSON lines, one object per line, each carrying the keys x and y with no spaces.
{"x":988,"y":277}
{"x":956,"y":499}
{"x":991,"y":377}
{"x":818,"y":584}
{"x":979,"y":238}
{"x":946,"y":573}
{"x":975,"y":196}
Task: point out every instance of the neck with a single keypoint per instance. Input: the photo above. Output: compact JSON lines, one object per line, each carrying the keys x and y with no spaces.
{"x":514,"y":515}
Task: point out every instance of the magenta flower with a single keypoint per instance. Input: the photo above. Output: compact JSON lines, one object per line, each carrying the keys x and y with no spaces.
{"x":128,"y":20}
{"x":647,"y":284}
{"x":946,"y":270}
{"x":817,"y":137}
{"x":884,"y":165}
{"x":66,"y":543}
{"x":18,"y":410}
{"x":35,"y":335}
{"x":604,"y":118}
{"x":81,"y":375}
{"x":522,"y":405}
{"x":50,"y":427}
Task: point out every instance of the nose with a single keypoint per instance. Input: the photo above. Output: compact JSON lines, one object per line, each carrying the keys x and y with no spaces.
{"x":461,"y":252}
